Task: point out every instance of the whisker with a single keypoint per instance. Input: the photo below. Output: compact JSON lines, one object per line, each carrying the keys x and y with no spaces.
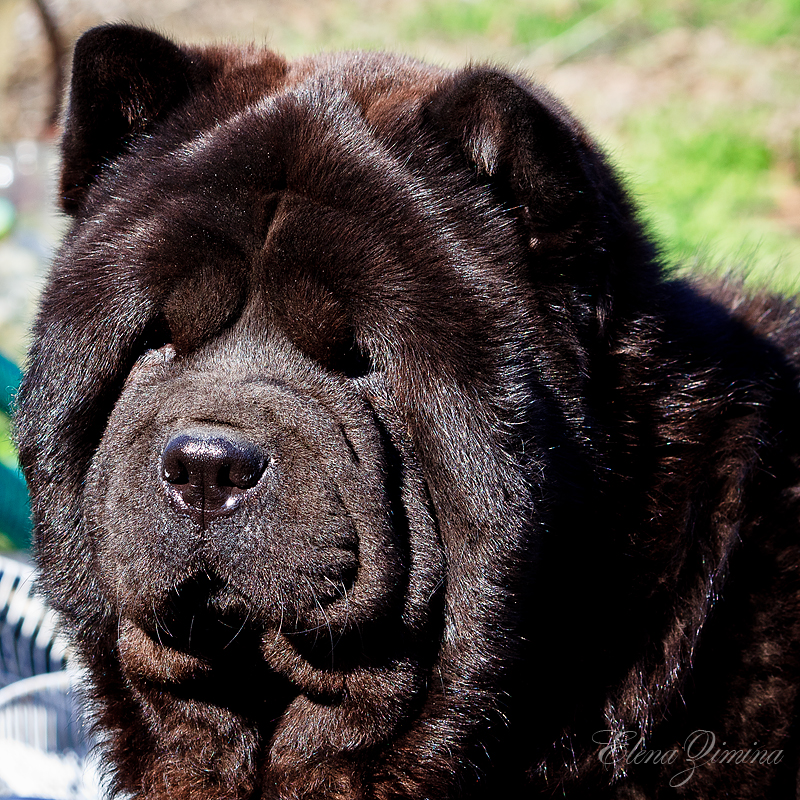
{"x":241,"y":628}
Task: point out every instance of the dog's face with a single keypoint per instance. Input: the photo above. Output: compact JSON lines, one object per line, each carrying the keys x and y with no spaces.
{"x":307,"y":350}
{"x":308,"y":376}
{"x":247,"y":484}
{"x":228,"y":499}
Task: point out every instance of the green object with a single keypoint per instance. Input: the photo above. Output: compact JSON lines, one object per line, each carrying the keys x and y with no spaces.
{"x":8,"y":216}
{"x":15,"y":510}
{"x":10,"y":377}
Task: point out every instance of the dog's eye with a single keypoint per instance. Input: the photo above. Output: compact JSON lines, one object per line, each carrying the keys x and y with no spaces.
{"x":156,"y":345}
{"x":155,"y":348}
{"x":157,"y":334}
{"x":351,"y":361}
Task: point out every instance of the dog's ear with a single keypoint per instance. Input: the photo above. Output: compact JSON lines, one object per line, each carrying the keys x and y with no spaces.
{"x":540,"y":163}
{"x":123,"y":79}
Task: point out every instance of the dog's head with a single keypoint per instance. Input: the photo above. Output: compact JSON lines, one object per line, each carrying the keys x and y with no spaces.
{"x":288,"y":403}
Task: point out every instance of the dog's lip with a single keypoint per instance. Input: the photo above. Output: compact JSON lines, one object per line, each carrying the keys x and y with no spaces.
{"x":143,"y":657}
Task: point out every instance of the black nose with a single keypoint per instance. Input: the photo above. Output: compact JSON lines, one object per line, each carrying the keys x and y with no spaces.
{"x":207,"y":472}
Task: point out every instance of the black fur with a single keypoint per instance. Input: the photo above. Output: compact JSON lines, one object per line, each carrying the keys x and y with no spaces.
{"x":372,"y":457}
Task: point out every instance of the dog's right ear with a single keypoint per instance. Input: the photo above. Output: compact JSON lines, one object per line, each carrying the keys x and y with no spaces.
{"x":123,"y":79}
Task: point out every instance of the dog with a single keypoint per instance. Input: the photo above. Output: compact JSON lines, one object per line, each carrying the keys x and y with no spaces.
{"x":373,"y":455}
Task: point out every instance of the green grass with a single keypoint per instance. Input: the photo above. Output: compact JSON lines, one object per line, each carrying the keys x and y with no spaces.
{"x":523,"y":22}
{"x":764,"y":22}
{"x":453,"y":20}
{"x":708,"y":193}
{"x":515,"y":21}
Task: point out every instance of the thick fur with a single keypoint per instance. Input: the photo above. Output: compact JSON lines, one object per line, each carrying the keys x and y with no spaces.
{"x":523,"y":516}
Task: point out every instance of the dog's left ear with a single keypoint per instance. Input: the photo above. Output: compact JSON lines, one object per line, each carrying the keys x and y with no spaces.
{"x":124,"y":78}
{"x":538,"y":160}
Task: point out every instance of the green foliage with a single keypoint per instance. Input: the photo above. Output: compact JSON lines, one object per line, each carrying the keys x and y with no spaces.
{"x":754,"y":21}
{"x":7,"y":455}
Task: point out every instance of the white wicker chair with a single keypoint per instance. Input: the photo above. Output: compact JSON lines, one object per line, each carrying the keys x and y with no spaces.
{"x":29,"y":644}
{"x":43,"y":745}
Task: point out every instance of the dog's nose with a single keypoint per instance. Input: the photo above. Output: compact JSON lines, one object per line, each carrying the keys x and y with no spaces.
{"x":208,"y":472}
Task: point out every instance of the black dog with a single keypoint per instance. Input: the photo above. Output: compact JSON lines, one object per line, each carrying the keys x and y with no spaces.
{"x":372,"y":457}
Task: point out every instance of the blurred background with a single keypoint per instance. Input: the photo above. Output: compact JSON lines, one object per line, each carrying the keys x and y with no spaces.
{"x":697,"y":102}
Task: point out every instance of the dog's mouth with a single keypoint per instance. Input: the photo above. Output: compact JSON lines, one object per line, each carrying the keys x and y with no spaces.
{"x":283,"y":572}
{"x":212,"y":661}
{"x":202,"y":618}
{"x":207,"y":631}
{"x":214,"y":651}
